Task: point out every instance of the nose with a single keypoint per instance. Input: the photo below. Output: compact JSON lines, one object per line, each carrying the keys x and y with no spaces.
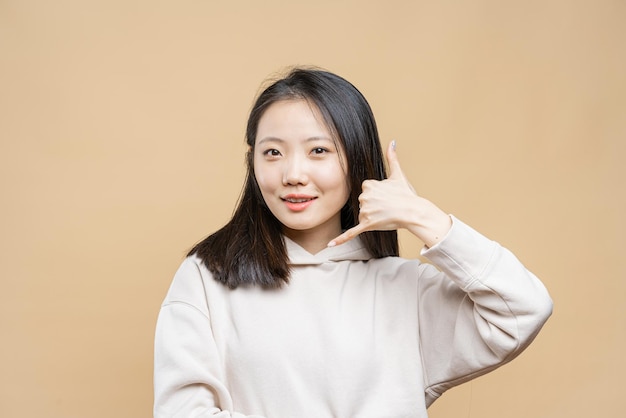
{"x":295,"y":172}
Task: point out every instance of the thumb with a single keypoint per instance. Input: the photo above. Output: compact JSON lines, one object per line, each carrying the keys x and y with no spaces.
{"x":393,"y":162}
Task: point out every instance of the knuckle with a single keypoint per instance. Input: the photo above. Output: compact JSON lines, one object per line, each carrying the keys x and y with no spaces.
{"x":367,"y":184}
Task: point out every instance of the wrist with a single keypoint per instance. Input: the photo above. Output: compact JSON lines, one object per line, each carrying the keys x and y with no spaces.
{"x":430,"y":224}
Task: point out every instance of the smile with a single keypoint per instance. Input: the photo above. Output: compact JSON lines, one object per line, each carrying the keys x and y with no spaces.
{"x":298,"y":203}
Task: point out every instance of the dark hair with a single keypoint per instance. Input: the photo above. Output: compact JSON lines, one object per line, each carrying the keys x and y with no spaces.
{"x":250,"y":248}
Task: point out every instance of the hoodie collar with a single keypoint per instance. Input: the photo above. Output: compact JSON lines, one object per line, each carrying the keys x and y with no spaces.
{"x":353,"y":250}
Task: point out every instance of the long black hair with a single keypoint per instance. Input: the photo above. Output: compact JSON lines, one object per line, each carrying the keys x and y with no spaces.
{"x":250,"y":248}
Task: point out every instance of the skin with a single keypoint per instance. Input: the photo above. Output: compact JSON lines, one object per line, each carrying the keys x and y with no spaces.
{"x":302,"y":179}
{"x":393,"y":204}
{"x":300,"y":173}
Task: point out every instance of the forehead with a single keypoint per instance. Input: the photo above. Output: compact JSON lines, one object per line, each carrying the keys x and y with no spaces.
{"x":290,"y":109}
{"x":292,"y":117}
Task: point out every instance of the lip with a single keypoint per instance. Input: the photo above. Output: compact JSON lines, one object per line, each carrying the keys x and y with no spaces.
{"x":298,"y":202}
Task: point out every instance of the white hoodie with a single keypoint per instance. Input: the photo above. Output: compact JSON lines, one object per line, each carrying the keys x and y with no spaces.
{"x":349,"y":337}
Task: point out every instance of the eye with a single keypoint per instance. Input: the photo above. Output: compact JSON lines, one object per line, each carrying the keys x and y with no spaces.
{"x":319,"y":151}
{"x":272,"y":152}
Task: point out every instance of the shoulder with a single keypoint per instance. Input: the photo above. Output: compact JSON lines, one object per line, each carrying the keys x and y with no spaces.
{"x":189,"y":271}
{"x":190,"y":283}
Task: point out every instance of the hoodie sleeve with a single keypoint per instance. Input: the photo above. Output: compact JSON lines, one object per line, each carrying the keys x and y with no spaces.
{"x":188,"y":380}
{"x":480,"y":310}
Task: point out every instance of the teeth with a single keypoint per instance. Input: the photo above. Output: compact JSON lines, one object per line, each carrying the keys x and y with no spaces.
{"x":297,"y":200}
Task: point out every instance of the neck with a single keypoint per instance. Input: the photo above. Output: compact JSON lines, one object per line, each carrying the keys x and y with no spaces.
{"x":312,"y":241}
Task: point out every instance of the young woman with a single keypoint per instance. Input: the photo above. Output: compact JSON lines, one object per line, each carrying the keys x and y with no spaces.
{"x":300,"y":306}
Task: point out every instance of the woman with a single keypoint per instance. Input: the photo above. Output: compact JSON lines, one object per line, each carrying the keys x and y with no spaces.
{"x":300,"y":305}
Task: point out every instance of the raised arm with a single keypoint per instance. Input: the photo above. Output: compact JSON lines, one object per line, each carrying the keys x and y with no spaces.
{"x":479,"y":308}
{"x":477,"y":311}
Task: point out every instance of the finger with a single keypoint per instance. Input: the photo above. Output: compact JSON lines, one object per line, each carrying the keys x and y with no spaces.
{"x":392,"y":161}
{"x":348,"y":235}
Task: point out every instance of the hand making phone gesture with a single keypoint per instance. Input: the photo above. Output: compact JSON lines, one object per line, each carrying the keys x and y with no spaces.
{"x":392,"y":204}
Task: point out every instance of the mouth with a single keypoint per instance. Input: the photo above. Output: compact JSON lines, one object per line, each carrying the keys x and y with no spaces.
{"x":298,"y":202}
{"x":297,"y":199}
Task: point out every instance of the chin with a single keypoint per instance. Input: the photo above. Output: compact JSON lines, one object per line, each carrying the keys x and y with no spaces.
{"x":299,"y":227}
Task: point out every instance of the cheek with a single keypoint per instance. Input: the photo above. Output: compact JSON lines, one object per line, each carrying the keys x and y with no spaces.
{"x":336,"y":179}
{"x":264,"y":178}
{"x":261,"y":181}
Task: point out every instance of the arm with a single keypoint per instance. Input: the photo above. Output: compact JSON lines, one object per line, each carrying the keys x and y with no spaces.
{"x":480,"y":309}
{"x":188,"y":380}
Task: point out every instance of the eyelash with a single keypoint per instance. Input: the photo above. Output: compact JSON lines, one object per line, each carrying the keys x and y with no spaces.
{"x":319,"y":150}
{"x":272,"y":152}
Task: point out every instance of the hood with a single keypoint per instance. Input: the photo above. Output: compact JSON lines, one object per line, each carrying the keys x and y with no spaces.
{"x":353,"y":250}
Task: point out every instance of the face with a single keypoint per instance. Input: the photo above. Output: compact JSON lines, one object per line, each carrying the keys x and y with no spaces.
{"x":300,"y":171}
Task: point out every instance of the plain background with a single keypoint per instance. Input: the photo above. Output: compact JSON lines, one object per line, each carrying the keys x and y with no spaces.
{"x":121,"y":128}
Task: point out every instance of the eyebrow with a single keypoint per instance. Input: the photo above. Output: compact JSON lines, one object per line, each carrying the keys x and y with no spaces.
{"x":280,"y":140}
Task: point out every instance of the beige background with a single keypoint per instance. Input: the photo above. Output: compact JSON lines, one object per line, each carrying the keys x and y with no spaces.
{"x":121,"y":128}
